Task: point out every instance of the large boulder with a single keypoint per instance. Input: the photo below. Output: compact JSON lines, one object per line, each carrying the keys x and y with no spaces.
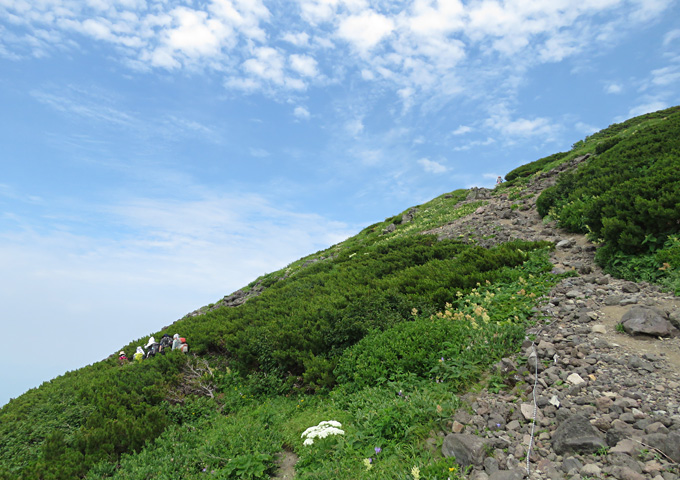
{"x":467,"y":449}
{"x":577,"y":435}
{"x":669,"y":444}
{"x":646,"y":321}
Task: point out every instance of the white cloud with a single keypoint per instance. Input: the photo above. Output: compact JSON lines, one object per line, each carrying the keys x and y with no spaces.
{"x":613,"y":88}
{"x":371,"y":157}
{"x":474,"y":144}
{"x":586,"y":128}
{"x":521,"y":127}
{"x":366,"y":30}
{"x":666,"y":76}
{"x":355,"y":126}
{"x":440,"y":18}
{"x":268,"y":64}
{"x":426,"y":51}
{"x":462,"y":130}
{"x":304,"y":65}
{"x":649,"y":107}
{"x":431,"y":166}
{"x":649,"y":9}
{"x":195,"y":34}
{"x":671,"y":37}
{"x":259,"y":152}
{"x":301,"y":113}
{"x":300,"y":39}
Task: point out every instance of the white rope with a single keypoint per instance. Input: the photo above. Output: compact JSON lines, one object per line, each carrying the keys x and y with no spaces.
{"x":533,"y":424}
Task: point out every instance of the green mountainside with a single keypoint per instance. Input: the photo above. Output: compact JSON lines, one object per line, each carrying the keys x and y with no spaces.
{"x":380,"y":332}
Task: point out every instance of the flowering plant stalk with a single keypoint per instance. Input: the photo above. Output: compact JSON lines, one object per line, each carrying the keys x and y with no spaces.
{"x":322,"y":430}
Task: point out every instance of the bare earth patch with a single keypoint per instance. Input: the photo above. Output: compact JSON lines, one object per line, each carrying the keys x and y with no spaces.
{"x":285,"y":462}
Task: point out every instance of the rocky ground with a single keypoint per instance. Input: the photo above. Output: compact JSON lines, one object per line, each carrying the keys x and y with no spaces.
{"x":607,"y":403}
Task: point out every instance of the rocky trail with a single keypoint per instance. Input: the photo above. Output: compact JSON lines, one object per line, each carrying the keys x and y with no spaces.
{"x":607,"y":402}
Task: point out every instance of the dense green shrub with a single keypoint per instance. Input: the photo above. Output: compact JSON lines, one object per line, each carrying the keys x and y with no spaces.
{"x":535,"y":166}
{"x":84,"y":417}
{"x":627,"y":198}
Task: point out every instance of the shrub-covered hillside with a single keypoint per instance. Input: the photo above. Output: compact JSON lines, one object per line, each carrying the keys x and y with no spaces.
{"x":627,"y":198}
{"x":379,"y":333}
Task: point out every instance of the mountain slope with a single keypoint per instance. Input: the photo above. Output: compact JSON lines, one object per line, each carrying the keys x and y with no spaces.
{"x":390,"y":322}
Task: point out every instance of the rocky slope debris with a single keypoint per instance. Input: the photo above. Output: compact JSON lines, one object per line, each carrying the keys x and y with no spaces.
{"x":595,"y":392}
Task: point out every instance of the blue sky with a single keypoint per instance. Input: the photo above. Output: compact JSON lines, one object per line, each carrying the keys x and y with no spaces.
{"x":158,"y":155}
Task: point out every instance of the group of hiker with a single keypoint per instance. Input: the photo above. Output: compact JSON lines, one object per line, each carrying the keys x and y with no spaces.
{"x":154,"y":348}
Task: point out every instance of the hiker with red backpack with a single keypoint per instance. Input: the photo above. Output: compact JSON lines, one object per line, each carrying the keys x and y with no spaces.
{"x":180,"y":343}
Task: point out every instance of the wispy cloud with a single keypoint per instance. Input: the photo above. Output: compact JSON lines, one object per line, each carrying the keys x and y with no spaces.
{"x":671,"y":37}
{"x":301,"y":113}
{"x":521,"y":127}
{"x":259,"y":153}
{"x":613,"y":88}
{"x":432,"y":166}
{"x":651,"y":106}
{"x":462,"y":130}
{"x":421,"y":50}
{"x":666,"y":76}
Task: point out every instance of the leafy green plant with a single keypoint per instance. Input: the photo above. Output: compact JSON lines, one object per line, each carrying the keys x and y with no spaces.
{"x":254,"y":466}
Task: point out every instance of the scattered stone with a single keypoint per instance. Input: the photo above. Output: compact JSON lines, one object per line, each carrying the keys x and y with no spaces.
{"x":625,"y":473}
{"x":591,"y":470}
{"x":645,"y":321}
{"x":467,"y":449}
{"x":577,"y":435}
{"x":575,"y":379}
{"x":507,"y":475}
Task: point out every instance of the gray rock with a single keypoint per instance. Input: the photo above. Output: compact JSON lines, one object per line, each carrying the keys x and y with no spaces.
{"x":490,"y":465}
{"x":590,"y":470}
{"x":571,"y":463}
{"x":507,"y":475}
{"x":640,"y":364}
{"x":389,"y":229}
{"x":645,"y":321}
{"x":624,"y":460}
{"x":674,"y":318}
{"x":625,"y":473}
{"x":667,"y":444}
{"x":613,"y":300}
{"x":576,"y":435}
{"x":467,"y":449}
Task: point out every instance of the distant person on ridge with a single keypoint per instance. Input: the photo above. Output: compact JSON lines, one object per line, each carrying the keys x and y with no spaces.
{"x":166,"y":343}
{"x":122,"y":358}
{"x":152,"y":347}
{"x":499,"y":180}
{"x":139,"y":354}
{"x":176,"y":342}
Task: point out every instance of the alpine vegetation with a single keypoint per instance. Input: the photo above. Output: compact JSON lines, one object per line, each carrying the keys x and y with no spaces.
{"x":322,"y":430}
{"x":391,"y":333}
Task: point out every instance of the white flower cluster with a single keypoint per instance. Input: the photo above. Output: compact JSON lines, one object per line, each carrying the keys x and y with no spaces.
{"x":322,"y":430}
